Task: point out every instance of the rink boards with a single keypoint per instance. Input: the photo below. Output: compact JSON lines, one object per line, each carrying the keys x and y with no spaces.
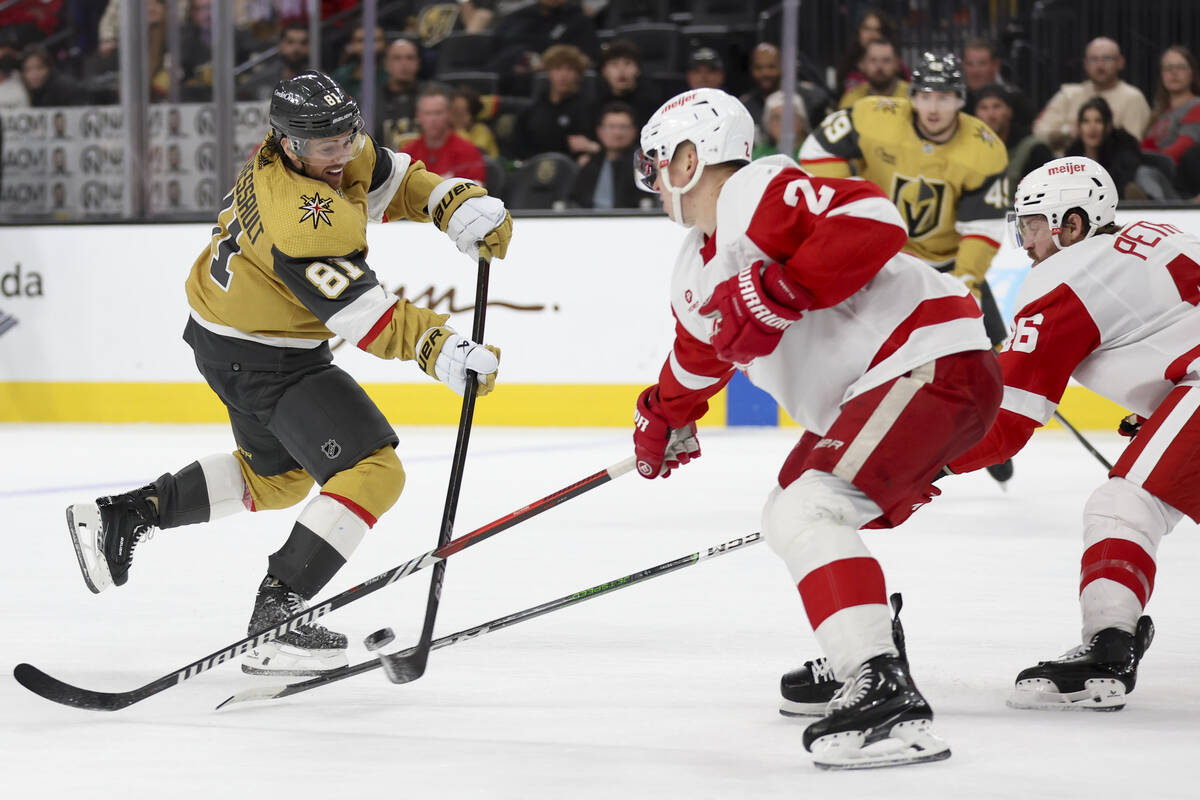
{"x":91,"y":318}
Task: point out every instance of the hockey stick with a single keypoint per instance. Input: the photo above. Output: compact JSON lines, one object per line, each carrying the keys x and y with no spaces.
{"x":410,"y":665}
{"x":53,"y":689}
{"x":276,"y":692}
{"x":1086,"y":444}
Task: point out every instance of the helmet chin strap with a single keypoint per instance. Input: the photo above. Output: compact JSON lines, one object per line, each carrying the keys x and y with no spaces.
{"x":676,"y":213}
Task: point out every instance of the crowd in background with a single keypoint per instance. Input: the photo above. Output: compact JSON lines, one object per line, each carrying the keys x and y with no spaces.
{"x":543,"y":99}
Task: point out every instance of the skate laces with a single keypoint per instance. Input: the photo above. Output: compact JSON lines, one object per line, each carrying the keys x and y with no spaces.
{"x":821,"y":671}
{"x":853,"y":690}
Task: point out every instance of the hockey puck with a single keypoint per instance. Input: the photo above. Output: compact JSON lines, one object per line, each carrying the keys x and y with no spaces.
{"x":379,"y":639}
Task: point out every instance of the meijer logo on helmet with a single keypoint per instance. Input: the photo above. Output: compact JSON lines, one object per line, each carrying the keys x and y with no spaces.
{"x":1066,"y":169}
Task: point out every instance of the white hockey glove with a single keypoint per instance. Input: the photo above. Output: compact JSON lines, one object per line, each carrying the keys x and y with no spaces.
{"x":468,"y":215}
{"x":445,"y":355}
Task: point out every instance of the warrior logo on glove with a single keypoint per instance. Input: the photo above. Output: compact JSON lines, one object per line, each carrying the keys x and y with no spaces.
{"x":751,"y":311}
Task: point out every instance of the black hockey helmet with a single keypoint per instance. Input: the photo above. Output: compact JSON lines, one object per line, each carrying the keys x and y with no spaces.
{"x":938,"y":72}
{"x":312,"y":106}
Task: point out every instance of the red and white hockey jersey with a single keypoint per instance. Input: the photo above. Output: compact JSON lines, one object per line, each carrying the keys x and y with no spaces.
{"x":1118,"y":312}
{"x":877,"y":313}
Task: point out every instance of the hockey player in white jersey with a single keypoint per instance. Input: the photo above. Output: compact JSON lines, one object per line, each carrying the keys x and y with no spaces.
{"x":800,"y":282}
{"x":1115,"y":307}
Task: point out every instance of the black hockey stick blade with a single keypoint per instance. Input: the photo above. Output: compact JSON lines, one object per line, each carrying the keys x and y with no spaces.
{"x":43,"y":685}
{"x":333,"y":676}
{"x":53,"y":689}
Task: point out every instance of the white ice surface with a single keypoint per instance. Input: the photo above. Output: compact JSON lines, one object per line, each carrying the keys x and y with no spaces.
{"x":667,"y":689}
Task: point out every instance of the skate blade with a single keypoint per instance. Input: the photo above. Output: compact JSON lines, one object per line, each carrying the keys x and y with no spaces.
{"x":1098,"y":694}
{"x":83,"y":524}
{"x":912,"y":742}
{"x":274,"y":658}
{"x":791,"y":708}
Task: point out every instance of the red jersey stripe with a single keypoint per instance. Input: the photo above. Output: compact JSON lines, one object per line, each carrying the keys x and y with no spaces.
{"x":355,"y":508}
{"x":1122,"y":561}
{"x":1178,"y":368}
{"x":841,"y":584}
{"x":377,"y":328}
{"x":929,"y":312}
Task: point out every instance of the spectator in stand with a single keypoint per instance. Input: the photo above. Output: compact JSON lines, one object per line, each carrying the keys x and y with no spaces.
{"x":705,"y":70}
{"x":606,"y":178}
{"x":396,"y":111}
{"x":881,"y":66}
{"x":621,"y":69}
{"x":40,"y":18}
{"x":195,"y":57}
{"x":443,"y":150}
{"x":772,"y":124}
{"x":1113,"y":148}
{"x":874,"y":24}
{"x":1102,"y":60}
{"x":465,"y":108}
{"x":525,"y":33}
{"x":45,"y":86}
{"x":12,"y":89}
{"x":349,"y":74}
{"x":1026,"y":152}
{"x":767,"y":75}
{"x":560,"y":118}
{"x":981,"y":67}
{"x":294,"y":54}
{"x":1175,"y":124}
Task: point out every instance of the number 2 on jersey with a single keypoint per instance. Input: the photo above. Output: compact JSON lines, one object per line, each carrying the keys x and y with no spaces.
{"x":817,"y":202}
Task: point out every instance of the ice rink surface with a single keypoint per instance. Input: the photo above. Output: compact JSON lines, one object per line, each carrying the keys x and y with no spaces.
{"x":667,"y":689}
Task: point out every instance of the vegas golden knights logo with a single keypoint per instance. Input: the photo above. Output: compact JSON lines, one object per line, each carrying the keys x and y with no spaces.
{"x":920,"y":202}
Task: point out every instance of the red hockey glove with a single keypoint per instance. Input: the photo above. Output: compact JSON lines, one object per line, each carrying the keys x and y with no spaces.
{"x":1130,"y":425}
{"x":658,"y":447}
{"x":755,"y":307}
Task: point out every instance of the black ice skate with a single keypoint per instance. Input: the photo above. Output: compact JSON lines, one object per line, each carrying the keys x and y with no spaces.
{"x":1095,"y":676}
{"x":310,"y":649}
{"x":105,"y":532}
{"x":807,"y":691}
{"x":877,"y":719}
{"x":1001,"y":473}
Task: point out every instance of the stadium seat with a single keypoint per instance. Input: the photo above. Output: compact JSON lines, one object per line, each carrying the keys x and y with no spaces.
{"x":629,"y":12}
{"x":482,"y":82}
{"x":731,"y":13}
{"x":465,"y":52}
{"x":543,"y":181}
{"x":495,"y":176}
{"x":661,"y":45}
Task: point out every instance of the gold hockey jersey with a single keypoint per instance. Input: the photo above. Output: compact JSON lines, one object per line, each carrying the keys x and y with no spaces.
{"x":951,"y":196}
{"x":286,"y":266}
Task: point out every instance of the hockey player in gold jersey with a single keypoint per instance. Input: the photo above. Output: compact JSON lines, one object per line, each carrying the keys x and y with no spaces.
{"x":943,"y":169}
{"x":284,"y":272}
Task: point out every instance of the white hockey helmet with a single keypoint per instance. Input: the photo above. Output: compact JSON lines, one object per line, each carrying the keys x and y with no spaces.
{"x":1060,"y":185}
{"x":715,"y":122}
